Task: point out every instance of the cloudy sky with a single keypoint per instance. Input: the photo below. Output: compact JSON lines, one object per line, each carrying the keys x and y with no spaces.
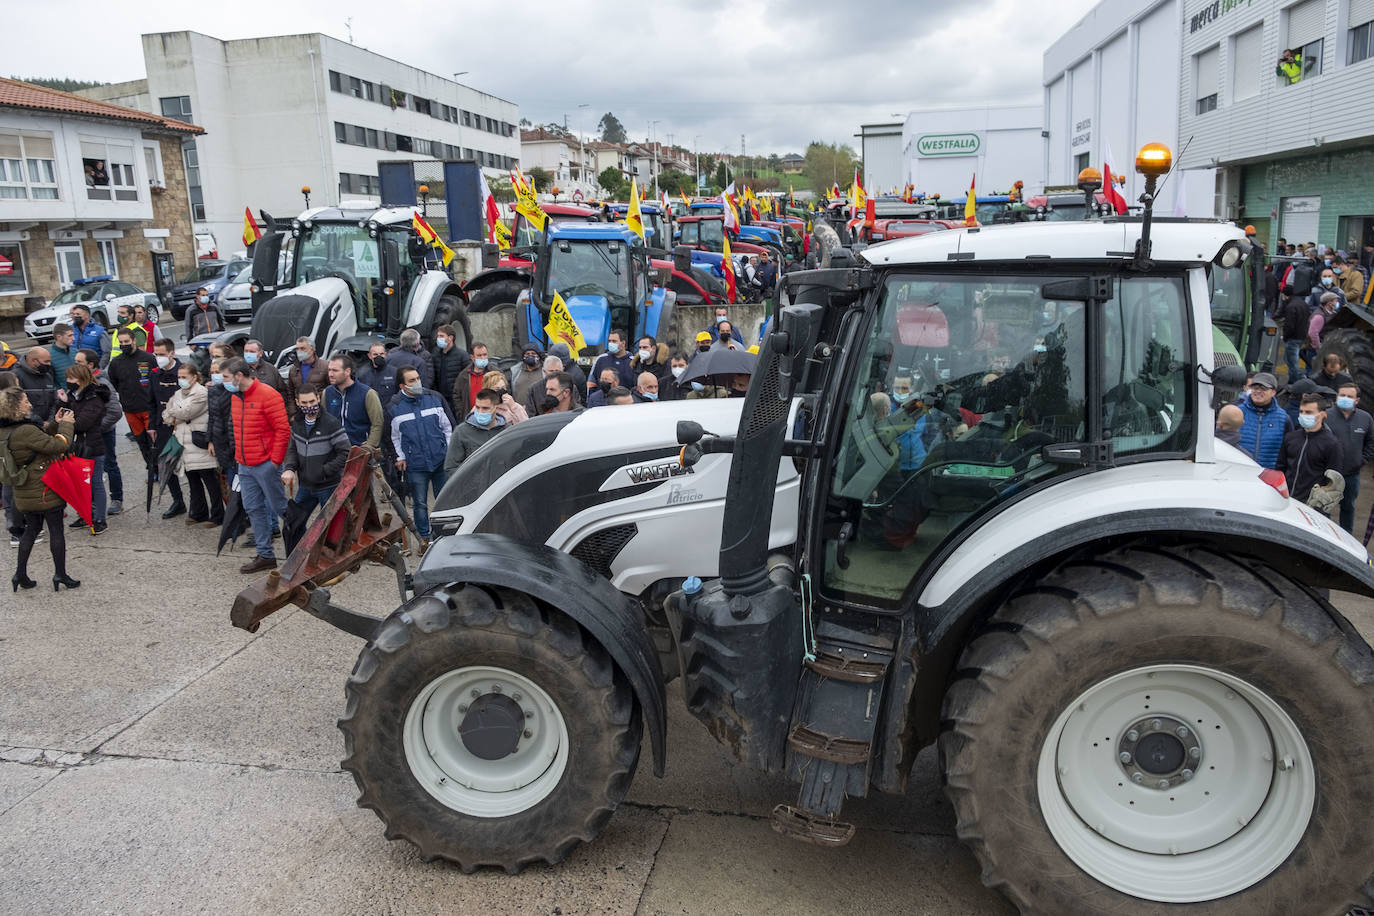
{"x":781,"y":72}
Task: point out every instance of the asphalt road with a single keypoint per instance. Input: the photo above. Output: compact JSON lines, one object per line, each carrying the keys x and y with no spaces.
{"x":154,"y":759}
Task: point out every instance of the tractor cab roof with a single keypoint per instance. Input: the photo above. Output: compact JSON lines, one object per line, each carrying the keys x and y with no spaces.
{"x":592,"y":232}
{"x":351,"y":211}
{"x":569,"y":211}
{"x":644,"y":207}
{"x":1111,"y":239}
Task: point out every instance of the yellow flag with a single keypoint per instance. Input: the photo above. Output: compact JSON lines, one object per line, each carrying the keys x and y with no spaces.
{"x":634,"y":218}
{"x":970,"y":211}
{"x":503,"y":236}
{"x":561,"y":327}
{"x":527,"y":204}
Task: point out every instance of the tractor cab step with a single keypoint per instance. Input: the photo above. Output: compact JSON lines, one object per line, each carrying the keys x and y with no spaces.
{"x":844,"y":668}
{"x":834,"y":748}
{"x":801,"y":825}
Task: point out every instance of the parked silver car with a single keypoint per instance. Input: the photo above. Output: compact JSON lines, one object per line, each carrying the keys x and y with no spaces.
{"x":236,"y":299}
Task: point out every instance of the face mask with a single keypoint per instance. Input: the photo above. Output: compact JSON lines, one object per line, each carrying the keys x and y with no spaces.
{"x":204,"y":300}
{"x":414,"y":390}
{"x":703,"y":348}
{"x":720,"y":319}
{"x":230,"y":387}
{"x":901,"y":397}
{"x":649,"y":395}
{"x":1326,"y":262}
{"x":123,"y":319}
{"x":164,"y":362}
{"x":73,"y":387}
{"x":1307,"y":420}
{"x":1040,"y":348}
{"x":1327,"y":281}
{"x":250,"y":358}
{"x":1345,"y":403}
{"x":183,"y":383}
{"x":613,"y":348}
{"x":605,"y":386}
{"x":644,"y":355}
{"x":302,"y":355}
{"x":481,"y":419}
{"x":549,"y":403}
{"x":379,"y":363}
{"x":311,"y":412}
{"x":480,"y":363}
{"x":78,"y":322}
{"x":441,"y":343}
{"x":678,"y":371}
{"x":698,"y":386}
{"x":216,"y":378}
{"x":1338,"y":270}
{"x":531,"y":360}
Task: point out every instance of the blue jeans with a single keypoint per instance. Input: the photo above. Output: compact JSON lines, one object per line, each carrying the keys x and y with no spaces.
{"x":264,"y":499}
{"x":1352,"y":490}
{"x":112,"y":466}
{"x":420,"y":482}
{"x":98,"y":500}
{"x":1291,"y":349}
{"x":312,"y":498}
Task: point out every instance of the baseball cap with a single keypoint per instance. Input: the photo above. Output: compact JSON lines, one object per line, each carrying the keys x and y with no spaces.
{"x":1265,"y":380}
{"x":702,"y":336}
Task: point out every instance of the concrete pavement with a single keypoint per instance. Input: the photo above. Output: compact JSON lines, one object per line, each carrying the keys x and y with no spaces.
{"x":154,"y":759}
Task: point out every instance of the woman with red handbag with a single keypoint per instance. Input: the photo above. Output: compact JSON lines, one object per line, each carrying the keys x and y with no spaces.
{"x":88,"y":402}
{"x":32,"y":449}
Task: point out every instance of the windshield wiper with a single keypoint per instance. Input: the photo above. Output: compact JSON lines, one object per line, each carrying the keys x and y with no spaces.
{"x":605,"y":257}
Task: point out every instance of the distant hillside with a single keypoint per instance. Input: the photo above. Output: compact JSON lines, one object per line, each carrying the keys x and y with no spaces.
{"x":65,"y":85}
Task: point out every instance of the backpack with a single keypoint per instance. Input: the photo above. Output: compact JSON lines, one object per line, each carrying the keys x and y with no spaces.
{"x":12,"y":473}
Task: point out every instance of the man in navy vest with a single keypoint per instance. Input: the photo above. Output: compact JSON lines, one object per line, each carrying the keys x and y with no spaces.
{"x":353,"y":404}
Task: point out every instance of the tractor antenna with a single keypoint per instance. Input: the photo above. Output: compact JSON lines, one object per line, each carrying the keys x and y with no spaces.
{"x":1173,"y":168}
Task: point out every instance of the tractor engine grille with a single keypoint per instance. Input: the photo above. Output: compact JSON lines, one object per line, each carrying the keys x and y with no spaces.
{"x":600,"y":548}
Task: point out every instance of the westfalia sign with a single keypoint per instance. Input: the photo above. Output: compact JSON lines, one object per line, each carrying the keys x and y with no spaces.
{"x":932,"y":145}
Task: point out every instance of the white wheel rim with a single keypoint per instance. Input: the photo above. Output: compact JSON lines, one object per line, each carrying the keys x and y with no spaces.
{"x":1214,"y":831}
{"x":458,"y":778}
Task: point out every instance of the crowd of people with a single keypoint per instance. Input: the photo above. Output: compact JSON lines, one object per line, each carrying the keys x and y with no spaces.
{"x":281,"y":439}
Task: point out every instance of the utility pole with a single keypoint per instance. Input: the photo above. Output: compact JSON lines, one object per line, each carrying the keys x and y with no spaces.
{"x":654,"y":143}
{"x":696,"y":150}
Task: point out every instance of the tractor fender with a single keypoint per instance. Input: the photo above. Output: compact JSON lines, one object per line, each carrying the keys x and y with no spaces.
{"x":495,"y":275}
{"x":571,"y":587}
{"x":429,"y":288}
{"x":931,"y":646}
{"x":1352,"y":315}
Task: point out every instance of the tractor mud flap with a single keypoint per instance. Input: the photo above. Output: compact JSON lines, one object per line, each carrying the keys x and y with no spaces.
{"x":797,"y":824}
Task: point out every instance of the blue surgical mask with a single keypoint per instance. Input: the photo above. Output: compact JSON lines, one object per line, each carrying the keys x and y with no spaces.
{"x":1345,"y":403}
{"x":250,"y":358}
{"x":1327,"y":281}
{"x":216,"y":378}
{"x":302,"y":355}
{"x":441,"y":343}
{"x":481,"y":419}
{"x":698,"y":386}
{"x":230,"y":387}
{"x":721,"y":318}
{"x":1307,"y":420}
{"x":480,"y":363}
{"x":183,"y":383}
{"x":1327,"y":262}
{"x":649,"y":395}
{"x":613,"y":348}
{"x":901,"y":397}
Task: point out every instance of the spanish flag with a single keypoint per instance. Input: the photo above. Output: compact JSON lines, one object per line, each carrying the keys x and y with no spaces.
{"x":634,"y":217}
{"x":970,"y":214}
{"x":727,"y":267}
{"x":251,"y":232}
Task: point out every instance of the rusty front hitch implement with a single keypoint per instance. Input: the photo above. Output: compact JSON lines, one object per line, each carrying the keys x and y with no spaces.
{"x":350,"y":530}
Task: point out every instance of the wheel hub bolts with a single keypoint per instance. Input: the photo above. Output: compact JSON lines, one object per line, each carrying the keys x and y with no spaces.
{"x":1159,"y":752}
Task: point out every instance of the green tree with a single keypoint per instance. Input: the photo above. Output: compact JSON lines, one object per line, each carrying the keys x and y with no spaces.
{"x":775,"y":163}
{"x":612,"y":131}
{"x":60,"y":83}
{"x":613,"y":182}
{"x":676,"y":183}
{"x":722,"y":175}
{"x":541,"y":178}
{"x":829,"y":163}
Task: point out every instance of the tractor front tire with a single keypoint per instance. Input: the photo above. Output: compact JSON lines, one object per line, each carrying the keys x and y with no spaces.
{"x":488,"y":729}
{"x":1151,"y":727}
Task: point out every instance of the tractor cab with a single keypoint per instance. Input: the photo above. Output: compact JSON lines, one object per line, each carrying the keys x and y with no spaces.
{"x":658,"y":232}
{"x":602,"y":273}
{"x":756,"y":234}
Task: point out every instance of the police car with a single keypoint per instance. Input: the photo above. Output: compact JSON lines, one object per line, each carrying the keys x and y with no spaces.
{"x":103,"y":295}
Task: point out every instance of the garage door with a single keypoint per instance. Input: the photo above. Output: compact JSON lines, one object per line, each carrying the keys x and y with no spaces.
{"x":1300,"y":217}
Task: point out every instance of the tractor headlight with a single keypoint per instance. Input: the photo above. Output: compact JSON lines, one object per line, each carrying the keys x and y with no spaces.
{"x":1229,"y":256}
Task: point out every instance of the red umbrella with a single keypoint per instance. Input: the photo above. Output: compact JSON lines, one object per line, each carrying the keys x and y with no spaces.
{"x":70,"y":478}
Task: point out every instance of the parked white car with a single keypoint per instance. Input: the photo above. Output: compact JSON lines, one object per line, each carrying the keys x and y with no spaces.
{"x":102,"y":295}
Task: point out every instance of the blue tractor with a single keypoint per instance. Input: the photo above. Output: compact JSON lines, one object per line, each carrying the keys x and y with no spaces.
{"x":603,"y":273}
{"x":658,"y":227}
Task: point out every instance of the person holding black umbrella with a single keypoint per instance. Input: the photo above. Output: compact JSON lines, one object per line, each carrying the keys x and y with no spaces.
{"x":34,"y":448}
{"x":164,"y":386}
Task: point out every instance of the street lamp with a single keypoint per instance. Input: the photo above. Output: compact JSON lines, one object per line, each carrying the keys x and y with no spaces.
{"x":654,"y":143}
{"x":582,"y":152}
{"x":696,"y":151}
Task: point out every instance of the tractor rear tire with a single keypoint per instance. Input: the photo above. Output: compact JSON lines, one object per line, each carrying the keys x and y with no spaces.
{"x":1356,"y":346}
{"x":451,"y":310}
{"x":488,"y":729}
{"x":1269,"y":686}
{"x":502,"y":292}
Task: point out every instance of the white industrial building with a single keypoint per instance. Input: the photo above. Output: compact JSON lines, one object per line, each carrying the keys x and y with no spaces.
{"x":306,"y":110}
{"x":944,"y":148}
{"x":880,"y":150}
{"x":1113,"y":82}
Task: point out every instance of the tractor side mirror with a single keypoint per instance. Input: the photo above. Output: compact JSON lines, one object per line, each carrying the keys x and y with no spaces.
{"x":491,"y":255}
{"x":682,"y":259}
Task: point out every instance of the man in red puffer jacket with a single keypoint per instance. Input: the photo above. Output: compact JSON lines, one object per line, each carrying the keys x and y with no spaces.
{"x":261,"y":433}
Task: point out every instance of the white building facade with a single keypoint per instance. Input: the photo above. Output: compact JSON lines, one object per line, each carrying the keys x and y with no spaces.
{"x":1294,"y":155}
{"x":944,"y":149}
{"x":1112,"y":84}
{"x":880,"y":150}
{"x":308,"y":110}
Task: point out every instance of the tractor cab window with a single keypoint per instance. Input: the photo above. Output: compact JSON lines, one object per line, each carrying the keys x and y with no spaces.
{"x":963,"y":381}
{"x":348,"y":252}
{"x":590,"y":268}
{"x":525,"y":233}
{"x":690,"y":234}
{"x":1230,"y":305}
{"x":712,"y":234}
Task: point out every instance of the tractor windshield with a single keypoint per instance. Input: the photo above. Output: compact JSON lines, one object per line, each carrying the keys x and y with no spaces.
{"x":579,"y":267}
{"x":346,"y":251}
{"x":962,"y":383}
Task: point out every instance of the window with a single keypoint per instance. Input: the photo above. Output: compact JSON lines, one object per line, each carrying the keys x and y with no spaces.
{"x":340,"y":132}
{"x":1361,"y":34}
{"x":177,"y":106}
{"x":1245,"y":63}
{"x":403,"y":144}
{"x":1306,"y":21}
{"x":1206,"y":74}
{"x":109,"y":169}
{"x":193,"y":187}
{"x":27,"y":166}
{"x":1080,"y":162}
{"x":109,"y":259}
{"x":336,"y":80}
{"x":358,"y":184}
{"x":467,"y":119}
{"x":13,"y":279}
{"x":152,"y":163}
{"x":422,"y":105}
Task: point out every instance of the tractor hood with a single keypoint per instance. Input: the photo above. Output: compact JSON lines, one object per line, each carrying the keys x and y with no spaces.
{"x":593,"y":317}
{"x":321,"y":310}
